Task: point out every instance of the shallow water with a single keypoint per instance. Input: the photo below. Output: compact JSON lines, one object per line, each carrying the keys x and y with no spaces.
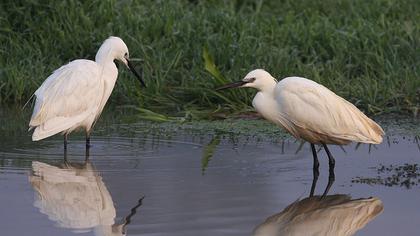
{"x":192,"y":183}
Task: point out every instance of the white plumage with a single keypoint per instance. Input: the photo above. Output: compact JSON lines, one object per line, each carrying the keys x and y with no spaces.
{"x":74,"y":197}
{"x":334,"y":215}
{"x":70,"y":98}
{"x":309,"y":111}
{"x":75,"y":94}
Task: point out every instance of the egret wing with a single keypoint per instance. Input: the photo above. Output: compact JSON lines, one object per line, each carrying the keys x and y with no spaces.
{"x":66,"y":98}
{"x":314,"y":108}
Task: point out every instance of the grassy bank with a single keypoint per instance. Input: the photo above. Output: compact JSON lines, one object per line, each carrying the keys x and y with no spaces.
{"x":127,"y":122}
{"x":366,"y":51}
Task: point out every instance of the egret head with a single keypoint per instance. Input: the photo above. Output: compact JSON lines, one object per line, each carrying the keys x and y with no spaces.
{"x":115,"y":49}
{"x":258,"y":79}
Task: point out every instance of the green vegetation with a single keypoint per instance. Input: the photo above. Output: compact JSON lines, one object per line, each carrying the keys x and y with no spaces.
{"x":365,"y":51}
{"x":115,"y":122}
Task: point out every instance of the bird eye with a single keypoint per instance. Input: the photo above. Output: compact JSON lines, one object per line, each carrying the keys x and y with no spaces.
{"x":250,"y":80}
{"x":126,"y":55}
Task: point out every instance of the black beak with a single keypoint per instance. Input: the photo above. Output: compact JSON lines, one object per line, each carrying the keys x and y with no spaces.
{"x":131,"y":67}
{"x":232,"y":85}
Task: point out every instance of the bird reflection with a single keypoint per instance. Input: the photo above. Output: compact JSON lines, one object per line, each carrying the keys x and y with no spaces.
{"x":75,"y":197}
{"x":326,"y":215}
{"x":335,"y":215}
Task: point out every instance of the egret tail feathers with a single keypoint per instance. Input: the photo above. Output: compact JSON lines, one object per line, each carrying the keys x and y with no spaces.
{"x":369,"y":130}
{"x":55,"y":126}
{"x":376,"y":133}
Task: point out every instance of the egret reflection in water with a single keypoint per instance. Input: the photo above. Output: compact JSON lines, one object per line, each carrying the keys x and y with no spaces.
{"x":326,"y":215}
{"x":75,"y":197}
{"x":335,"y":215}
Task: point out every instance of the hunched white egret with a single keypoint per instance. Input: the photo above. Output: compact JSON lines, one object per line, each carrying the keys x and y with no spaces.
{"x":309,"y":111}
{"x":328,"y":216}
{"x":74,"y":95}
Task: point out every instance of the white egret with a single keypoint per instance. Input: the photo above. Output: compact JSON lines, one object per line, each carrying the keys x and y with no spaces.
{"x":75,"y":197}
{"x":74,"y":95}
{"x":309,"y":111}
{"x":328,"y":216}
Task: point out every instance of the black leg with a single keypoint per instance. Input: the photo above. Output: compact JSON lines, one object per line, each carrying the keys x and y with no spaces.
{"x":331,"y":176}
{"x":87,"y":154}
{"x":315,"y":170}
{"x":87,"y":146}
{"x":65,"y":156}
{"x":65,"y":147}
{"x":331,"y":160}
{"x":331,"y":179}
{"x":65,"y":142}
{"x":87,"y":140}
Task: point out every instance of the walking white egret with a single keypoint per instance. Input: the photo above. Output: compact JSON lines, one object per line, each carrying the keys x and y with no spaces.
{"x":311,"y":112}
{"x":75,"y":94}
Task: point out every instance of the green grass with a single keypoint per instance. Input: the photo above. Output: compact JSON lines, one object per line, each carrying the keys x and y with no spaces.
{"x":365,"y":51}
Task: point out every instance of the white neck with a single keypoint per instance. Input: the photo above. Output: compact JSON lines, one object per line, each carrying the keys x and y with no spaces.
{"x":268,"y":86}
{"x":105,"y":54}
{"x":109,"y":75}
{"x":264,"y":101}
